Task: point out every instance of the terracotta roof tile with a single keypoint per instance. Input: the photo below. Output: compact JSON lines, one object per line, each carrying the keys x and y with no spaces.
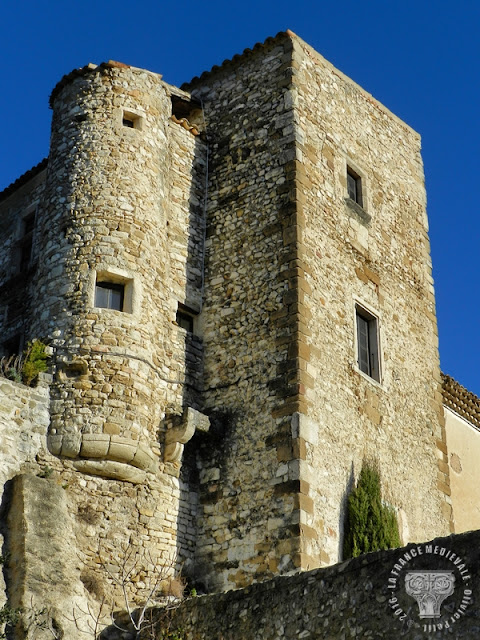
{"x":239,"y":57}
{"x":463,"y":402}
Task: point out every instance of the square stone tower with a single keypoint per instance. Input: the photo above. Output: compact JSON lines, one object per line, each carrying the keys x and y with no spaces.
{"x":318,"y":321}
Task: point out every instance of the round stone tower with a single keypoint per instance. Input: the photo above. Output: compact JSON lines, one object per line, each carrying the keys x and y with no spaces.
{"x":105,"y":273}
{"x":118,"y":286}
{"x":115,"y":268}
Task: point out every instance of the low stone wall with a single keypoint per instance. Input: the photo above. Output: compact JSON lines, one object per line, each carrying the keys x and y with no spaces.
{"x":362,"y":598}
{"x":24,"y":420}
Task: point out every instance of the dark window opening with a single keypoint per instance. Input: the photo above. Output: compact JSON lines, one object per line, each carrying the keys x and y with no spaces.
{"x":367,"y":344}
{"x":109,"y":295}
{"x":354,"y":186}
{"x":26,"y":242}
{"x":131,"y":120}
{"x":182,"y":108}
{"x":185,"y":318}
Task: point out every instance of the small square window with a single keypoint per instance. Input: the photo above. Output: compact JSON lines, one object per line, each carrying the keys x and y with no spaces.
{"x":109,"y":295}
{"x":131,"y":120}
{"x":185,"y":317}
{"x":367,"y":343}
{"x":354,"y":186}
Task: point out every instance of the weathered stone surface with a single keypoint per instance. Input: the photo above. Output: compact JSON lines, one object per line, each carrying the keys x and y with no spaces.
{"x":43,"y":575}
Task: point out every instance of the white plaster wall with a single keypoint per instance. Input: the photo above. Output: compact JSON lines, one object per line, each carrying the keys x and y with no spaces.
{"x":463,"y":443}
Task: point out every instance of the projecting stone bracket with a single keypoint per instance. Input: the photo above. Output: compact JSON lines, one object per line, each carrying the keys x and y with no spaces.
{"x":177,"y":436}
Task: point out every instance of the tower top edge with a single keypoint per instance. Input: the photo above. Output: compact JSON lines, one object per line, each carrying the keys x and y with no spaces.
{"x":92,"y":68}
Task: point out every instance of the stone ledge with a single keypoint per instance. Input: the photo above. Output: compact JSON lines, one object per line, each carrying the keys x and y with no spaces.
{"x":358,"y":212}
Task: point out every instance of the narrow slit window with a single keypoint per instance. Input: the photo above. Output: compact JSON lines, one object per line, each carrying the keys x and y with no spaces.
{"x":354,"y":186}
{"x":26,"y":241}
{"x":367,"y":343}
{"x":109,"y":295}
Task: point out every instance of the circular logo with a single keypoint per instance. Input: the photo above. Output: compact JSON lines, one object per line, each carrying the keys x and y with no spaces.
{"x":429,"y":587}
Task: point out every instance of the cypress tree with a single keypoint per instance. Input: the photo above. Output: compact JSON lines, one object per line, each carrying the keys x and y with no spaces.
{"x":370,"y":525}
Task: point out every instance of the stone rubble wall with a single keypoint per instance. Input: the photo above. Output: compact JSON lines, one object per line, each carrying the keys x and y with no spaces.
{"x":128,"y":202}
{"x":245,"y":499}
{"x":16,"y":286}
{"x":24,"y":420}
{"x":106,"y":198}
{"x":342,"y":602}
{"x":109,"y":522}
{"x":269,"y":259}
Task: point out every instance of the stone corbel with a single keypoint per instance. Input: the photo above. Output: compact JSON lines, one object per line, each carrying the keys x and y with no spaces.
{"x":176,"y":437}
{"x":101,"y":454}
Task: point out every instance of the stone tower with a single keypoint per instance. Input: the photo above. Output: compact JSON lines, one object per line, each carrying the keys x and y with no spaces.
{"x":235,"y":281}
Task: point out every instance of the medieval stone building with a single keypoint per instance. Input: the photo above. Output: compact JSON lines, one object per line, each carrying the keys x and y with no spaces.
{"x":234,"y":281}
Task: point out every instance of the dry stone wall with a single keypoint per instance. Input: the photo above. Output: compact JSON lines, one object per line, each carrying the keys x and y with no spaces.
{"x":346,"y":601}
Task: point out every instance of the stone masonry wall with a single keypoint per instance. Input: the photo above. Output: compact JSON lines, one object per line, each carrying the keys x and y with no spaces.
{"x":246,"y":504}
{"x":376,"y":256}
{"x":24,"y":420}
{"x":288,"y":258}
{"x":108,"y":521}
{"x":268,"y":258}
{"x":105,"y":219}
{"x":15,"y":283}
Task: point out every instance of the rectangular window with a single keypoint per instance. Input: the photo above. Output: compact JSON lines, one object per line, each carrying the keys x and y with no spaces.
{"x":354,"y":186}
{"x":109,"y":295}
{"x":367,"y":343}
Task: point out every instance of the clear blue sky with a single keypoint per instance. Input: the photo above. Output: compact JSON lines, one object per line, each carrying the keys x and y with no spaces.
{"x":420,"y":58}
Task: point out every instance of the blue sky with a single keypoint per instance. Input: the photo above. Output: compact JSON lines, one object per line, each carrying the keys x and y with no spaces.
{"x":419,"y":58}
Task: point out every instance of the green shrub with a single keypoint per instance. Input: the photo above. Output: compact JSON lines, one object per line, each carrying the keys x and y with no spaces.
{"x":35,"y":361}
{"x":8,"y":619}
{"x":370,"y":525}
